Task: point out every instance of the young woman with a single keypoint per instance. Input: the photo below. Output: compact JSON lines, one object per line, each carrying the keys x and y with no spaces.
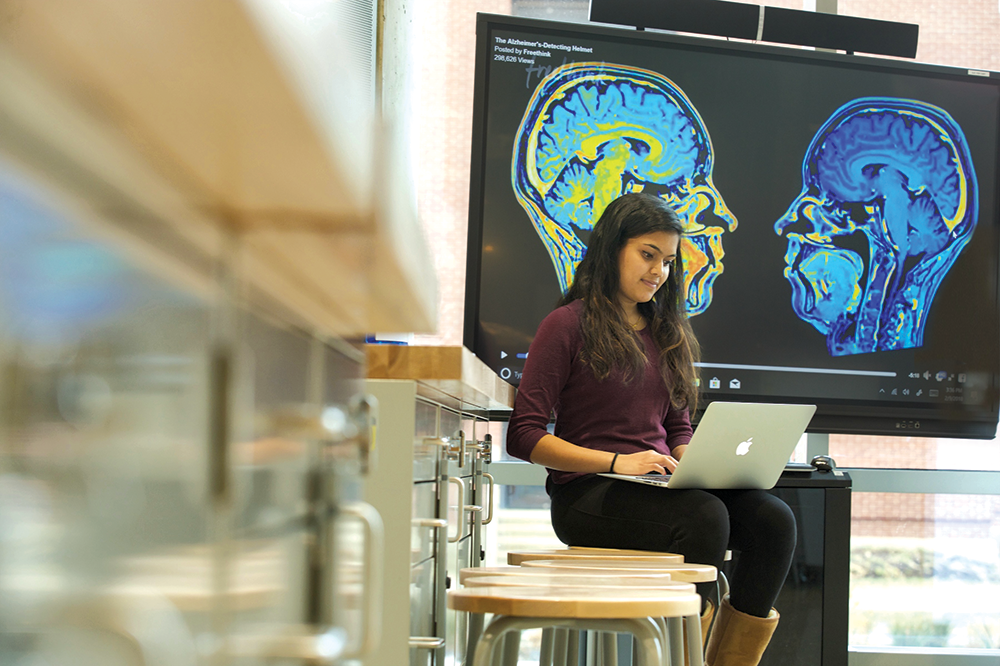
{"x":615,"y":363}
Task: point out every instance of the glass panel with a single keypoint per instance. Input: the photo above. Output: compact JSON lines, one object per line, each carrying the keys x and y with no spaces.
{"x":426,"y":419}
{"x":800,"y":454}
{"x":104,"y":501}
{"x":915,"y":452}
{"x":925,"y":571}
{"x":521,"y":522}
{"x":422,"y":606}
{"x":343,"y":377}
{"x":279,"y":361}
{"x":349,"y":562}
{"x":422,"y":537}
{"x":270,"y":478}
{"x":451,"y":423}
{"x":270,"y":470}
{"x":500,"y":442}
{"x":498,"y":431}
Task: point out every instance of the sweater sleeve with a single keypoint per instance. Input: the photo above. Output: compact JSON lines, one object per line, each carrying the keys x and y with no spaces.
{"x":678,"y":427}
{"x":546,"y":371}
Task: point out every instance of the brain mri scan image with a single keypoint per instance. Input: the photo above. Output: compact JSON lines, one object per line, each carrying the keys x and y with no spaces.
{"x":594,"y":131}
{"x":888,"y":202}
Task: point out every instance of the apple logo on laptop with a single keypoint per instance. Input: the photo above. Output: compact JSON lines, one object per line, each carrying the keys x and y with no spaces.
{"x":743,"y":448}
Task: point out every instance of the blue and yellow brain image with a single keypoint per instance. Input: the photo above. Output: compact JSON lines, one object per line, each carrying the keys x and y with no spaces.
{"x":592,"y":132}
{"x":895,"y":177}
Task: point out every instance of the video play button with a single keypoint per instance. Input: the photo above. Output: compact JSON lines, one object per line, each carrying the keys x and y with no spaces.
{"x":503,"y":354}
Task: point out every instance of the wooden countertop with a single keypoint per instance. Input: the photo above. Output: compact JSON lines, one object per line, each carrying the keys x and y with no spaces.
{"x":452,"y":372}
{"x":178,"y":127}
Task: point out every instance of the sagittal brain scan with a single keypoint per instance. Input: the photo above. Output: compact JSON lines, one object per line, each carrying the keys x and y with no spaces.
{"x":592,"y":132}
{"x":888,"y":202}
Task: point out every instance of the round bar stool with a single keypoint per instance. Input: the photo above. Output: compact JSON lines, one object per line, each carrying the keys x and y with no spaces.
{"x":626,"y":610}
{"x":571,"y":553}
{"x":688,"y":573}
{"x":553,"y":647}
{"x":472,"y":576}
{"x":621,"y":559}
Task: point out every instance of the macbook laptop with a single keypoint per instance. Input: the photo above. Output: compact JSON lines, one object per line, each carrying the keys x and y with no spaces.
{"x":736,"y":445}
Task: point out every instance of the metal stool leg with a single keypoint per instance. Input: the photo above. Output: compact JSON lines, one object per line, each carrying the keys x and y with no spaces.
{"x":722,"y":584}
{"x":559,"y":638}
{"x":675,"y":633}
{"x":497,"y":652}
{"x":648,"y":640}
{"x":476,"y":621}
{"x":573,"y":648}
{"x":490,"y":637}
{"x":649,"y":636}
{"x":545,"y":652}
{"x":609,"y":649}
{"x":693,"y":625}
{"x":511,"y":648}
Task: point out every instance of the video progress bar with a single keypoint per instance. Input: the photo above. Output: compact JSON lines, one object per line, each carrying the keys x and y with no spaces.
{"x":782,"y":368}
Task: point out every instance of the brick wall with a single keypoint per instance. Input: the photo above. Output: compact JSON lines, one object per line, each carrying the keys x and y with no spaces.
{"x":912,"y":515}
{"x":960,"y":33}
{"x":444,"y":54}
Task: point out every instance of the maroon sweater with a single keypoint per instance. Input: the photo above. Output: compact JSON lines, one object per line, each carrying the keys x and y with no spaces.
{"x":609,"y":415}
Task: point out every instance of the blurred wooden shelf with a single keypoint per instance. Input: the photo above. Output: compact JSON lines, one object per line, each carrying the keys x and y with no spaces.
{"x":186,"y":125}
{"x":451,"y":372}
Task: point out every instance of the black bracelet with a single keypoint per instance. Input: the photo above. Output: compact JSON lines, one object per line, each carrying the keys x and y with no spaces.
{"x":613,"y":464}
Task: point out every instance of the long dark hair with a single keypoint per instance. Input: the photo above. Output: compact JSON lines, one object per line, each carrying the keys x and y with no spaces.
{"x":608,"y":340}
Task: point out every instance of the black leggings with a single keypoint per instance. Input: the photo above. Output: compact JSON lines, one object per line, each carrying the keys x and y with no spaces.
{"x":699,"y":524}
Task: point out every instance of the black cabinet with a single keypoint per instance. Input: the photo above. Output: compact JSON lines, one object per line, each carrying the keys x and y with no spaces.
{"x":814,"y":601}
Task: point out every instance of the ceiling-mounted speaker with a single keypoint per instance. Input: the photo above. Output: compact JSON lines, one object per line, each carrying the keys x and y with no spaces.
{"x":725,"y":19}
{"x":769,"y":24}
{"x":844,"y":33}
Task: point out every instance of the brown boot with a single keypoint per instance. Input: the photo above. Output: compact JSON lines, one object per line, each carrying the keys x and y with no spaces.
{"x":739,"y":639}
{"x":706,"y":622}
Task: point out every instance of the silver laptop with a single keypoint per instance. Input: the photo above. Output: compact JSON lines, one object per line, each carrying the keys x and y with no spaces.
{"x":736,"y":445}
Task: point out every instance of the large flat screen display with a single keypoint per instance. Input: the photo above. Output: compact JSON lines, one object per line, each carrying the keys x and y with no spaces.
{"x":841,"y":212}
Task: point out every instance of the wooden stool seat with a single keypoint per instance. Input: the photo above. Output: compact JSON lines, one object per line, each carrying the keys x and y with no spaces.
{"x":597,"y":582}
{"x":687,"y":573}
{"x":642,"y":612}
{"x":555,"y":642}
{"x":574,"y":602}
{"x":464,"y":575}
{"x":517,"y":557}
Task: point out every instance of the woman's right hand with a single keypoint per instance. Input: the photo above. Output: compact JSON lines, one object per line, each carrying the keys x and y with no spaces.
{"x":645,"y":462}
{"x":558,"y":454}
